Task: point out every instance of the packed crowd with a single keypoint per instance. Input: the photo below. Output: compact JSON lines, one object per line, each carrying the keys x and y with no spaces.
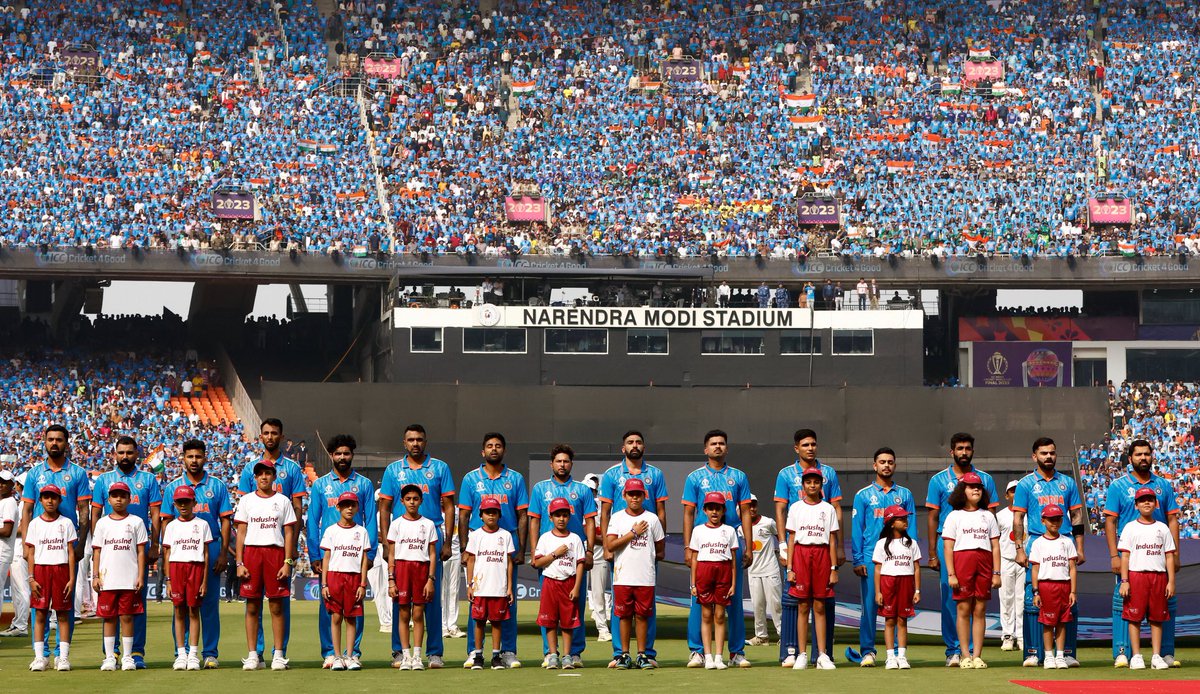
{"x":865,"y":101}
{"x":100,"y":395}
{"x":1165,"y":415}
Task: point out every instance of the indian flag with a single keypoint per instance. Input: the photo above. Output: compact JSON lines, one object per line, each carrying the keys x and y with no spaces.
{"x":316,"y":147}
{"x":740,"y":71}
{"x":806,"y":122}
{"x":156,"y":462}
{"x":979,"y":50}
{"x":519,"y":87}
{"x":204,"y":57}
{"x":898,"y":166}
{"x":1127,"y":247}
{"x":356,"y":196}
{"x":799,"y":100}
{"x":951,"y":88}
{"x":651,"y":86}
{"x":257,"y":182}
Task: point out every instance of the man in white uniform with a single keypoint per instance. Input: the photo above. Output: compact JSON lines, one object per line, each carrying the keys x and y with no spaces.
{"x":599,"y":578}
{"x":766,"y":585}
{"x":452,"y":573}
{"x":1012,"y":578}
{"x":12,"y":562}
{"x":377,"y":576}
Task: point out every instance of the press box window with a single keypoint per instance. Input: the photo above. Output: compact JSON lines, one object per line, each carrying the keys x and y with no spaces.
{"x":425,"y":340}
{"x":731,"y":342}
{"x":853,"y":341}
{"x":494,"y":340}
{"x":653,"y":341}
{"x":572,"y":341}
{"x":799,"y":342}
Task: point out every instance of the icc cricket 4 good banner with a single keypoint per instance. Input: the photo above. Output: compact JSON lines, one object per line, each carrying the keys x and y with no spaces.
{"x":1022,"y":364}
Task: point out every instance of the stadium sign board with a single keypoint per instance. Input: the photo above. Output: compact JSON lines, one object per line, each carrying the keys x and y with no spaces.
{"x":1110,"y":211}
{"x":81,"y":59}
{"x":525,"y":209}
{"x":681,"y":70}
{"x":234,"y":205}
{"x":983,"y":70}
{"x":814,"y":211}
{"x":1021,"y":364}
{"x":382,"y":67}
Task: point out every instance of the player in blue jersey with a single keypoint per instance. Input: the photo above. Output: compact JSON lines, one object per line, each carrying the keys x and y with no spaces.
{"x":289,"y":481}
{"x":867,"y":523}
{"x":717,"y":476}
{"x":937,"y":500}
{"x":323,"y":511}
{"x":788,"y":490}
{"x":1044,"y":487}
{"x":72,"y":480}
{"x":1120,"y":509}
{"x":494,"y":479}
{"x":437,"y":504}
{"x":145,"y":502}
{"x":213,"y":507}
{"x":582,"y":523}
{"x":612,"y":501}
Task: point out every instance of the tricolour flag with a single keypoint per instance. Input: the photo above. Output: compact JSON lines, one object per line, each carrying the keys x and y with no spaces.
{"x":356,"y":196}
{"x":740,"y":71}
{"x":951,"y":88}
{"x":316,"y":147}
{"x":651,"y":86}
{"x":520,"y":87}
{"x":799,"y":100}
{"x":806,"y":122}
{"x":979,"y":50}
{"x":1127,"y":247}
{"x":898,"y":166}
{"x":156,"y":462}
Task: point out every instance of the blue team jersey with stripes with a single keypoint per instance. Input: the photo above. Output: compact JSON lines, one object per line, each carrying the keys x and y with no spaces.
{"x":1120,"y":502}
{"x":508,"y":487}
{"x":71,"y":479}
{"x":289,"y":478}
{"x":789,"y":487}
{"x":944,"y":482}
{"x":729,"y":481}
{"x":1034,"y":493}
{"x":583,"y":503}
{"x":144,"y":493}
{"x":867,"y":519}
{"x":612,"y":486}
{"x":432,"y":476}
{"x":212,"y":501}
{"x":323,"y":510}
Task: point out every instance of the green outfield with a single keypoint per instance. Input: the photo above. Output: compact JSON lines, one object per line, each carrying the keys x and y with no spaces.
{"x":928,"y":673}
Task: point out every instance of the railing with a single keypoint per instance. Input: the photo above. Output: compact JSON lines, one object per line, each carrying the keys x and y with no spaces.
{"x":287,"y":53}
{"x":385,"y":205}
{"x":243,"y":404}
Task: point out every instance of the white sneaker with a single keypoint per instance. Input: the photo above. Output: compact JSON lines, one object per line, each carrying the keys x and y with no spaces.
{"x":1008,"y":643}
{"x":1158,"y":663}
{"x":1071,"y":661}
{"x":336,"y":663}
{"x":466,"y":663}
{"x":868,"y":660}
{"x":824,"y":663}
{"x":740,"y":661}
{"x":757,"y":641}
{"x":510,"y":661}
{"x":38,"y":665}
{"x":1050,"y":663}
{"x":455,"y":633}
{"x":250,"y":663}
{"x":953,"y":661}
{"x":353,"y":664}
{"x":892,"y":663}
{"x":710,"y":663}
{"x":1059,"y":663}
{"x":180,"y":663}
{"x":279,"y":663}
{"x":1031,"y":661}
{"x":605,"y":636}
{"x":788,"y":661}
{"x":406,"y":662}
{"x":63,"y":665}
{"x":193,"y":661}
{"x":1137,"y":662}
{"x":720,"y":662}
{"x":327,"y":664}
{"x":696,"y":660}
{"x":1121,"y":661}
{"x":903,"y":661}
{"x":385,"y":629}
{"x":801,"y":662}
{"x":110,"y":665}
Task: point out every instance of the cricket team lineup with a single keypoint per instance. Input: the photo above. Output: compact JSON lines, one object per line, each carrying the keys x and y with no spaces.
{"x":570,"y":530}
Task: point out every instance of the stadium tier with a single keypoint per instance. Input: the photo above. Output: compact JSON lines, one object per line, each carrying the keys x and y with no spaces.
{"x":951,"y":128}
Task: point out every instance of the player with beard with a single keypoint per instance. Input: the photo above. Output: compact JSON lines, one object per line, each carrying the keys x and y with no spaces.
{"x":289,"y":481}
{"x":1120,"y":509}
{"x":937,"y":500}
{"x":612,"y":500}
{"x":1043,"y":487}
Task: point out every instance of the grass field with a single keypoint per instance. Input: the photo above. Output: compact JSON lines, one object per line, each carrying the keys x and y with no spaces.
{"x":928,"y":673}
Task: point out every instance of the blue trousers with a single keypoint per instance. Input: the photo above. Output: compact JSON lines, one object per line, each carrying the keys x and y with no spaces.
{"x":210,"y":609}
{"x":1031,"y":630}
{"x":508,"y":628}
{"x":870,"y":611}
{"x":614,"y":625}
{"x":949,"y":607}
{"x":1120,"y":629}
{"x":790,"y":619}
{"x":433,"y":613}
{"x":579,"y":634}
{"x":735,"y":618}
